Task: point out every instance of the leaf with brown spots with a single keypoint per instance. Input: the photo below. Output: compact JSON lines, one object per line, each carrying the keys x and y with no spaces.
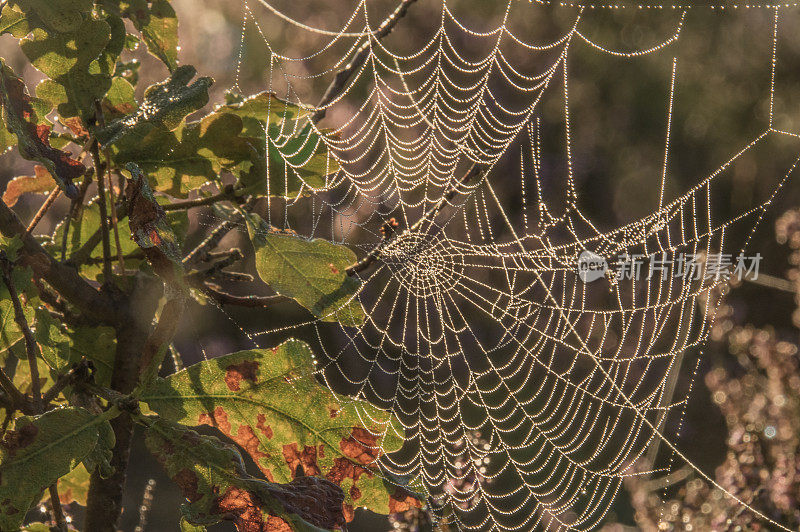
{"x":37,"y":452}
{"x":33,"y":138}
{"x":212,"y":478}
{"x":269,"y":402}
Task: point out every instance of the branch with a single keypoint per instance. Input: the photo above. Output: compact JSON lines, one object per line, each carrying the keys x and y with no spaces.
{"x":229,"y":192}
{"x":210,"y":242}
{"x":81,"y":256}
{"x":100,"y":169}
{"x":339,"y":82}
{"x":58,"y":512}
{"x":229,"y":257}
{"x":74,"y":208}
{"x":224,"y":298}
{"x":43,"y":209}
{"x":101,"y":121}
{"x":372,"y":257}
{"x":62,"y":278}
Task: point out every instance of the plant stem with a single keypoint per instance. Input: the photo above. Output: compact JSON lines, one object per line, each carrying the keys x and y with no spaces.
{"x":101,"y":121}
{"x":31,"y":347}
{"x":339,"y":83}
{"x":58,"y":512}
{"x":227,"y":193}
{"x":43,"y":209}
{"x":101,"y":202}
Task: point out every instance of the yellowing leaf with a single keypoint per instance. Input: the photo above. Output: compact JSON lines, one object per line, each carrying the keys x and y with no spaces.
{"x":269,"y":402}
{"x":312,"y":272}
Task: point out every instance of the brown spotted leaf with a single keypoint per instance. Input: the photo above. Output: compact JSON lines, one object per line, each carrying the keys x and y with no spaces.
{"x":269,"y":402}
{"x":33,"y":138}
{"x":150,"y":229}
{"x":212,"y":478}
{"x":37,"y":452}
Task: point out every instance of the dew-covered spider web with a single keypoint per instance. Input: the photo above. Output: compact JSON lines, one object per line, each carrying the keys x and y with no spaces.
{"x":526,"y":393}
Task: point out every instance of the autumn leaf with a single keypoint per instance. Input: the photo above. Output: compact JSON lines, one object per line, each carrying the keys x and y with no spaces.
{"x":40,"y":182}
{"x":21,"y":118}
{"x":212,"y":478}
{"x":269,"y":402}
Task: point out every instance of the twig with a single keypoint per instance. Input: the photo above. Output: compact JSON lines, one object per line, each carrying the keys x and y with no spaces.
{"x":474,"y":171}
{"x":229,"y":192}
{"x":80,"y":369}
{"x":74,"y":209}
{"x":101,"y":121}
{"x":15,"y":397}
{"x":235,"y":276}
{"x":31,"y":347}
{"x":770,"y":281}
{"x":85,"y":251}
{"x":210,"y":241}
{"x":224,"y":298}
{"x":230,"y":257}
{"x":339,"y":82}
{"x":58,"y":512}
{"x":101,"y":201}
{"x":146,"y":506}
{"x":177,"y":360}
{"x":43,"y":209}
{"x":134,"y":255}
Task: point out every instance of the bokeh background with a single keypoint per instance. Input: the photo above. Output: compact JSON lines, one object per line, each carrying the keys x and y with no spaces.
{"x":618,"y":112}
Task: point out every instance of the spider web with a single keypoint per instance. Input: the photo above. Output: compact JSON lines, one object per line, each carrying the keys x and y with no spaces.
{"x":526,"y":394}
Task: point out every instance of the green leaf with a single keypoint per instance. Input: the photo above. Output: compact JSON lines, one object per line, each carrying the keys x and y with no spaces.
{"x":21,"y":116}
{"x":269,"y":402}
{"x":159,"y":27}
{"x":165,"y":106}
{"x":312,"y":272}
{"x":156,"y":21}
{"x":212,"y":477}
{"x":10,"y":333}
{"x":62,"y":347}
{"x":298,"y":160}
{"x":13,"y":21}
{"x":60,"y":15}
{"x":119,"y":100}
{"x":186,"y":526}
{"x":81,"y":229}
{"x":297,"y":156}
{"x":180,"y":161}
{"x":37,"y":452}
